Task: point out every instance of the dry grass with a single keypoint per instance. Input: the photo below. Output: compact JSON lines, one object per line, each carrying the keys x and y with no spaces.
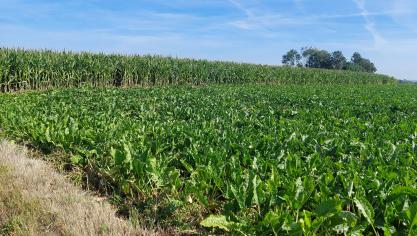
{"x":36,"y":200}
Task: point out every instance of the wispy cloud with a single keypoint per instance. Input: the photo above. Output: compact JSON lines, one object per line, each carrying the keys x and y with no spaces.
{"x":405,"y":13}
{"x":257,"y":19}
{"x":370,"y":25}
{"x":241,"y":30}
{"x":254,"y":21}
{"x":368,"y":14}
{"x":242,"y":8}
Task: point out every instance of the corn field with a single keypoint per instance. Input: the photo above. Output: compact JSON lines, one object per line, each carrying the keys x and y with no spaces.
{"x":42,"y":69}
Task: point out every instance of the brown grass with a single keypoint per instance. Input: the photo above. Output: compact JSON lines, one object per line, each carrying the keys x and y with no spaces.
{"x":36,"y":200}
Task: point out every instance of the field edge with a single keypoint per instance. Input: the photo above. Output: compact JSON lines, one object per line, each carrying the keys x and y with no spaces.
{"x":35,"y":198}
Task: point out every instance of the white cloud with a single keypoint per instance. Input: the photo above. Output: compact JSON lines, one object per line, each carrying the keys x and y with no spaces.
{"x":257,"y":31}
{"x":242,"y":8}
{"x":255,"y":19}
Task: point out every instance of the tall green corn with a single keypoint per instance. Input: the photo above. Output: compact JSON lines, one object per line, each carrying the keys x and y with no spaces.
{"x":33,"y":69}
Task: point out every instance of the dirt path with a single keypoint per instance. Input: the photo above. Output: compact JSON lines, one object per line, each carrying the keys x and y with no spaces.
{"x":36,"y":200}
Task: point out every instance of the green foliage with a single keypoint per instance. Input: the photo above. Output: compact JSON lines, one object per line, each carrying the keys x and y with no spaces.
{"x":365,"y":208}
{"x":328,"y":207}
{"x":318,"y":58}
{"x":248,"y":159}
{"x":216,"y":221}
{"x":364,"y":64}
{"x":292,"y":58}
{"x":338,"y":60}
{"x":221,"y":222}
{"x":30,"y":69}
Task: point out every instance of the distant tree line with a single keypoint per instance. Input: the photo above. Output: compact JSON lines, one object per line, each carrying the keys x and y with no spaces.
{"x":404,"y":81}
{"x":317,"y":58}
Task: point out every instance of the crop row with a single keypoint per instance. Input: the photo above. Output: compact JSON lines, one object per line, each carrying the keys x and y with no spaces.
{"x":251,"y":159}
{"x":34,"y":69}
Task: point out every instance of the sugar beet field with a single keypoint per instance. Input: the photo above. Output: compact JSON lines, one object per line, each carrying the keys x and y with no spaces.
{"x":317,"y":158}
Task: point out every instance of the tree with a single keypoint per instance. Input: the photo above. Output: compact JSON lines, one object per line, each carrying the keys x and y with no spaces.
{"x":338,"y":60}
{"x":316,"y":58}
{"x":368,"y":66}
{"x":292,"y":58}
{"x":356,"y":58}
{"x":353,"y":67}
{"x":365,"y":64}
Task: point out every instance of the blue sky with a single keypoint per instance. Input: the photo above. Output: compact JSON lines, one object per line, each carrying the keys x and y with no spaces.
{"x":257,"y":31}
